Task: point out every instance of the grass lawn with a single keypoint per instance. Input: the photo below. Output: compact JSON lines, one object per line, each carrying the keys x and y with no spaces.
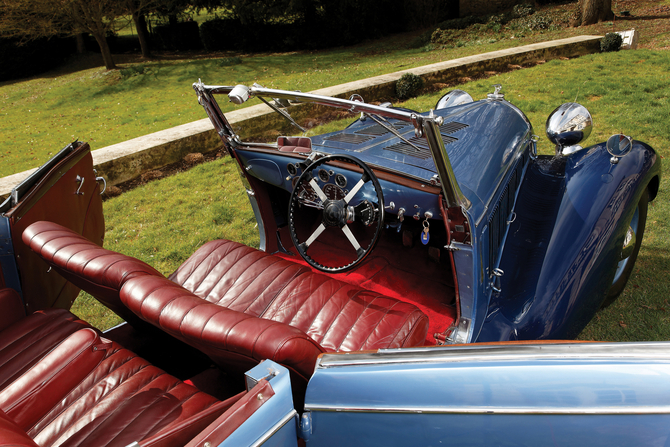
{"x":41,"y":115}
{"x":164,"y":221}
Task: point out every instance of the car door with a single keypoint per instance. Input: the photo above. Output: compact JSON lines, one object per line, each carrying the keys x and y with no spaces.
{"x":65,"y":191}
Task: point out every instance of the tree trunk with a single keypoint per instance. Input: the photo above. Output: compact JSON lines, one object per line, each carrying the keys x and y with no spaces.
{"x":142,"y":34}
{"x":593,"y":11}
{"x":81,"y":45}
{"x":104,"y":49}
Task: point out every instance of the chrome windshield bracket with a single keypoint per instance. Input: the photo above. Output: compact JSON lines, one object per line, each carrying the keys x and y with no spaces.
{"x":418,"y":128}
{"x":456,"y":333}
{"x":450,"y":188}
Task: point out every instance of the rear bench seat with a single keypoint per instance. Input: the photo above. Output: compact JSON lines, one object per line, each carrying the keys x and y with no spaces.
{"x":25,"y":340}
{"x":89,"y":391}
{"x":237,"y":304}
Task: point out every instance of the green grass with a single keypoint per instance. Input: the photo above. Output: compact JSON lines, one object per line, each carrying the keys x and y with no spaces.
{"x":166,"y":220}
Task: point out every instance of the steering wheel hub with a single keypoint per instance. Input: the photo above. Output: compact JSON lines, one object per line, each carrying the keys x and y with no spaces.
{"x":334,"y":213}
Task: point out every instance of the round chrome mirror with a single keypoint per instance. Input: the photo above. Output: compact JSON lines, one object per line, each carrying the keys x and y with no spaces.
{"x":618,"y":146}
{"x":453,"y":98}
{"x":567,"y":126}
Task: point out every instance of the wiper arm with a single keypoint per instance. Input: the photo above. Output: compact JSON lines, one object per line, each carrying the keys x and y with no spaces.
{"x":388,"y":126}
{"x":283,"y":113}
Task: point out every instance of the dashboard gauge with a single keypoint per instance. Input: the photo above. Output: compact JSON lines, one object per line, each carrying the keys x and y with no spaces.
{"x":307,"y":195}
{"x":323,"y":175}
{"x":291,"y":168}
{"x":341,"y":180}
{"x":333,"y":192}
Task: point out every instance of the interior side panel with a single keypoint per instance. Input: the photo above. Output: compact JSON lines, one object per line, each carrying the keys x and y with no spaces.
{"x":61,"y":198}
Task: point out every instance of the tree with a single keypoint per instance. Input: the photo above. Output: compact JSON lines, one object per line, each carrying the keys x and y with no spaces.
{"x":592,"y":11}
{"x":137,"y":10}
{"x":34,"y":19}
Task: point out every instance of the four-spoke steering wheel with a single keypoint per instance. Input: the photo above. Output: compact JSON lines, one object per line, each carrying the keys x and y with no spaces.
{"x":362,"y":205}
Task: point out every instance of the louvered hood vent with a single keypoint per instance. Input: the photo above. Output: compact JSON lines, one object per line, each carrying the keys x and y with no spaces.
{"x":379,"y":130}
{"x":419,"y":146}
{"x":349,"y":138}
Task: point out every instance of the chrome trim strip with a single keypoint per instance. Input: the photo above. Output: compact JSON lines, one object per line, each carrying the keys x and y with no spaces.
{"x":123,"y":323}
{"x":652,"y":351}
{"x":275,"y":428}
{"x":450,"y":187}
{"x":298,"y":97}
{"x":661,"y":409}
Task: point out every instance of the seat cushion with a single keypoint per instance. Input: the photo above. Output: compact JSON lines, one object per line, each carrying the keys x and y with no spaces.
{"x":88,"y":266}
{"x":122,"y":399}
{"x":89,"y":391}
{"x":11,"y":435}
{"x":237,"y":304}
{"x":294,"y":144}
{"x":337,"y":315}
{"x":29,"y":339}
{"x":235,"y":340}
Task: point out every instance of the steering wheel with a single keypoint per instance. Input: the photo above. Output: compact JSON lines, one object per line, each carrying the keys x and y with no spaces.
{"x":361,"y":207}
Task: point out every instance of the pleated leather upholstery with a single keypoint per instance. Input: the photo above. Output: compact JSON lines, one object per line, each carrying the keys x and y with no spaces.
{"x":337,"y":315}
{"x":88,"y":266}
{"x":28,"y":340}
{"x":238,"y":304}
{"x":235,"y":340}
{"x":63,"y":396}
{"x":121,"y":399}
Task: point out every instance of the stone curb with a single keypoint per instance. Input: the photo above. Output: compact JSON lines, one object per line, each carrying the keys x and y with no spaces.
{"x":128,"y":160}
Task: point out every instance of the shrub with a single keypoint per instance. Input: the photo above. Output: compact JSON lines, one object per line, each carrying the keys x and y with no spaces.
{"x":461,"y":23}
{"x":445,"y":37}
{"x":611,"y":42}
{"x":523,"y":10}
{"x":535,"y":22}
{"x":408,"y":85}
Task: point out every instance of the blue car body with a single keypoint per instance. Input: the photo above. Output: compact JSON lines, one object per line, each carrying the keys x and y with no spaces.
{"x":597,"y":394}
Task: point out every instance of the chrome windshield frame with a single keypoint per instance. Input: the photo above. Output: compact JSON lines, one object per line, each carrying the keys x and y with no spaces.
{"x":424,"y":126}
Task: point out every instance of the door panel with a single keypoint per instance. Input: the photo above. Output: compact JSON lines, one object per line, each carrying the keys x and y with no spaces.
{"x":59,"y":196}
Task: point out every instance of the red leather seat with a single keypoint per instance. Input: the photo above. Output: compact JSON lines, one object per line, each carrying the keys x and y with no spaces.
{"x":246,"y":305}
{"x":88,"y":266}
{"x":240,"y":305}
{"x":24,"y":340}
{"x":89,"y":391}
{"x":294,"y":144}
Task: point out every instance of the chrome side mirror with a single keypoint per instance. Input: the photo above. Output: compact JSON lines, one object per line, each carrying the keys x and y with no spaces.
{"x":567,"y":126}
{"x":453,"y":98}
{"x":239,"y":94}
{"x":618,"y":146}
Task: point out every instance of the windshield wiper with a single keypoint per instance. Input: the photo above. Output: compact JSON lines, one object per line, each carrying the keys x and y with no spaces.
{"x":388,"y":126}
{"x":283,"y":113}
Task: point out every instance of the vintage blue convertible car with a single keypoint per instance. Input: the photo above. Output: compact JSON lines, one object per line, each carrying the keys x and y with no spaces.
{"x":387,"y":250}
